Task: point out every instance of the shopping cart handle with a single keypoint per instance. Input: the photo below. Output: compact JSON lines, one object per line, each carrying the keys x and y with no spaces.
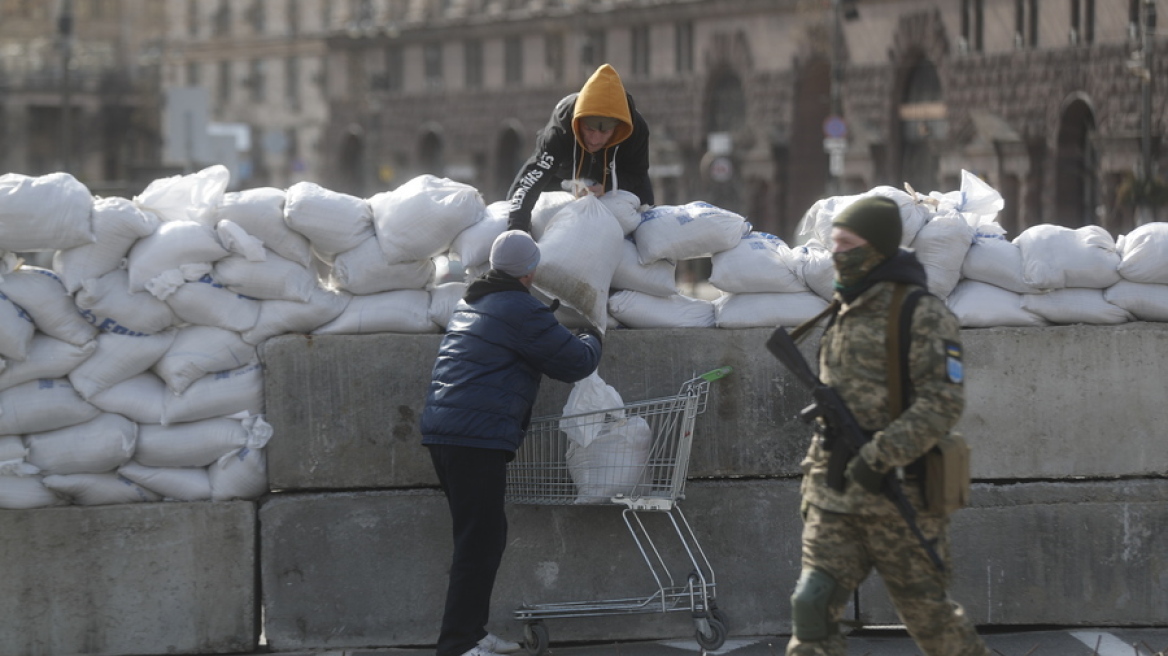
{"x":720,"y":372}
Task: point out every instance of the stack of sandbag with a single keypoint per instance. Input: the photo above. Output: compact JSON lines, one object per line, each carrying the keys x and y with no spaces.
{"x":1143,"y":268}
{"x":671,"y":234}
{"x":761,"y":285}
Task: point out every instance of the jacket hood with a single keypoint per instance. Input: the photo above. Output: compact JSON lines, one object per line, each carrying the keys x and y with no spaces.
{"x":490,"y":282}
{"x":604,"y":95}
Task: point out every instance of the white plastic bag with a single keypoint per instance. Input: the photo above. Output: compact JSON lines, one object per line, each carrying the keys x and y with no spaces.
{"x":613,"y":463}
{"x":590,"y":395}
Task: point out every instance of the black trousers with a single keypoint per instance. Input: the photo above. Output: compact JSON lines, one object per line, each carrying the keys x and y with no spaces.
{"x":474,"y":481}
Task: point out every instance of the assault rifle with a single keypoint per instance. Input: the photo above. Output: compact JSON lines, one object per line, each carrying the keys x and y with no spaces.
{"x":842,"y":426}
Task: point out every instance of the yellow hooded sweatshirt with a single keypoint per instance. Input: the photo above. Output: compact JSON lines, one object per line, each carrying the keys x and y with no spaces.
{"x":604,"y":95}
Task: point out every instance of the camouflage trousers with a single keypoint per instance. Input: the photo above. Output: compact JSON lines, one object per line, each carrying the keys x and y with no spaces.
{"x":847,"y":547}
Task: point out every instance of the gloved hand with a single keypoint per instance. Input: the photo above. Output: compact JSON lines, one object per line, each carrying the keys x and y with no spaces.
{"x":861,"y":473}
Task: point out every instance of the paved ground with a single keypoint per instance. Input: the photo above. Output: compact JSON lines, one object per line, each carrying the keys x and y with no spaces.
{"x":1057,"y":642}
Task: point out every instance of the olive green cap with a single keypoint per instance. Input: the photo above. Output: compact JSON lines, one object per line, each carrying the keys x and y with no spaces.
{"x":876,"y":219}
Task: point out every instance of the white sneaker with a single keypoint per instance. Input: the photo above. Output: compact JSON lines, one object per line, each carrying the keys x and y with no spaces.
{"x":479,"y":650}
{"x":494,"y":643}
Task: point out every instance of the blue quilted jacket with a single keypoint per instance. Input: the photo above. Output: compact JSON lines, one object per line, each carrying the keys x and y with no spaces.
{"x":499,"y":342}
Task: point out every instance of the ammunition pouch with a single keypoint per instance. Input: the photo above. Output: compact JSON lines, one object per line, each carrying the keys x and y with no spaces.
{"x":944,"y":474}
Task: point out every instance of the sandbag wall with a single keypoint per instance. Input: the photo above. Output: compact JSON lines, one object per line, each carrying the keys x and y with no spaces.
{"x":130,"y":370}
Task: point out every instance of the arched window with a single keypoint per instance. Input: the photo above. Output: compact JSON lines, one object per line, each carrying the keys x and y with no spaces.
{"x":1076,"y":168}
{"x":923,"y":124}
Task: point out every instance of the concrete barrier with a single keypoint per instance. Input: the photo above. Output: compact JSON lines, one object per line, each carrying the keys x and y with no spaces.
{"x":350,"y":549}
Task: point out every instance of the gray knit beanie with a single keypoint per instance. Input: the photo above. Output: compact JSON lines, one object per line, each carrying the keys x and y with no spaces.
{"x":514,"y":253}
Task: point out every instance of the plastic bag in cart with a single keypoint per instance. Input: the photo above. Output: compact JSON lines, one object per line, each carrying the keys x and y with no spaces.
{"x":612,"y":463}
{"x":591,"y":394}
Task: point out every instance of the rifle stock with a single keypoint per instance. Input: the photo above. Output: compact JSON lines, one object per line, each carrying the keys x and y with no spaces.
{"x":843,"y":425}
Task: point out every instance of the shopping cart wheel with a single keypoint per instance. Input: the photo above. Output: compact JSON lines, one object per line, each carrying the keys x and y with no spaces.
{"x":535,"y":638}
{"x":714,"y":635}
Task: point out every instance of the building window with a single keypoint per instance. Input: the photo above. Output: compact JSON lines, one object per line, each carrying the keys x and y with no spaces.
{"x":394,"y":68}
{"x":592,"y":51}
{"x":255,"y":80}
{"x":361,"y":13}
{"x":192,"y":74}
{"x":223,"y":19}
{"x":326,"y":16}
{"x":640,"y":49}
{"x":223,"y":91}
{"x":683,"y":47}
{"x":293,"y":16}
{"x":1133,"y":18}
{"x":973,"y":25}
{"x":473,"y":56}
{"x":553,"y":56}
{"x":292,"y":81}
{"x":255,"y":16}
{"x":1026,"y":23}
{"x":192,"y":18}
{"x":432,"y":65}
{"x":513,"y":61}
{"x":1082,"y":21}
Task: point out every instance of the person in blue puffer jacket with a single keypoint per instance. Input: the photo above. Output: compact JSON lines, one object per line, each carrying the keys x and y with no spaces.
{"x":499,"y":343}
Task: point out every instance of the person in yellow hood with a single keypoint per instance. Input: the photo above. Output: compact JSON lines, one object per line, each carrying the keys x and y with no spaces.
{"x":595,"y":135}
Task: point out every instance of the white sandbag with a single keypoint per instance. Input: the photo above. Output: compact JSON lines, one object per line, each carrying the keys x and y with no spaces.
{"x":138,"y":398}
{"x":178,"y":483}
{"x":626,"y":207}
{"x":365,"y":270}
{"x":198,"y":443}
{"x":685,"y":232}
{"x":45,"y":213}
{"x":815,"y":268}
{"x":941,"y":246}
{"x":1145,"y":301}
{"x":205,"y":302}
{"x":1144,"y":254}
{"x":117,"y":358}
{"x":590,"y":404}
{"x":982,"y":305}
{"x":12,"y":448}
{"x":760,"y":262}
{"x":99,"y":445}
{"x":421,"y":217}
{"x":658,"y":278}
{"x":16,"y":330}
{"x":332,"y":221}
{"x":637,"y":310}
{"x":26,"y":492}
{"x":108,"y":304}
{"x":613,"y":464}
{"x":816,"y":222}
{"x":1075,"y":305}
{"x":766,"y":309}
{"x":242,"y":474}
{"x":995,"y":260}
{"x":260,"y":212}
{"x":48,"y":357}
{"x":200,"y":350}
{"x":190,"y":197}
{"x":172,"y":246}
{"x":545,"y":209}
{"x":400,"y":311}
{"x":42,"y":405}
{"x":280,"y":317}
{"x":41,"y":294}
{"x":472,"y":246}
{"x":579,"y":251}
{"x":217,"y":395}
{"x":117,"y":225}
{"x":443,"y":298}
{"x":275,"y":278}
{"x":1054,"y":257}
{"x":236,"y":240}
{"x":99,"y":489}
{"x":446,"y":270}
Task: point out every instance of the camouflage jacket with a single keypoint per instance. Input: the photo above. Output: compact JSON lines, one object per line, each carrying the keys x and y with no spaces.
{"x":853,"y":361}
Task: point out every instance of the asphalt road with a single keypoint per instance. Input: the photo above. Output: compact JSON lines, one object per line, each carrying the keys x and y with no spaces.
{"x":870,"y":642}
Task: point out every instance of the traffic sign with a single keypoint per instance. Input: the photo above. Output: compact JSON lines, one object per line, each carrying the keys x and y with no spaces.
{"x":834,"y":127}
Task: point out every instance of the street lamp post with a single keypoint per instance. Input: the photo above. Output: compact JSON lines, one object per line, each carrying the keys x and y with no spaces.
{"x":65,"y":32}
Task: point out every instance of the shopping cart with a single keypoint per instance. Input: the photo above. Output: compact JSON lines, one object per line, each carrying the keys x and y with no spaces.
{"x":635,"y":457}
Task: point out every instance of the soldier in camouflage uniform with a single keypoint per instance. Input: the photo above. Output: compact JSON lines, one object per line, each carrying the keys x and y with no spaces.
{"x":849,"y":532}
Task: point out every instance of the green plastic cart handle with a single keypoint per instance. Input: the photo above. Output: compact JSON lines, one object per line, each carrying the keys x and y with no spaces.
{"x":720,"y":372}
